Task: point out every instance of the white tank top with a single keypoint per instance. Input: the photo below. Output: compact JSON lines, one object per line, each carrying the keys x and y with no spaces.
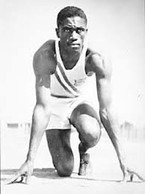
{"x":68,"y":83}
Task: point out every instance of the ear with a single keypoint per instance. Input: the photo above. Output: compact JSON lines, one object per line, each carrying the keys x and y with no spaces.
{"x":57,"y":32}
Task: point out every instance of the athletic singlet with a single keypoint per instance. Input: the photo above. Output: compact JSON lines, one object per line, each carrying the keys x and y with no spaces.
{"x":68,"y":83}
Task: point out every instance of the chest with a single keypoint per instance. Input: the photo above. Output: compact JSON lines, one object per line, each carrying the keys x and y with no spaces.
{"x":76,"y":75}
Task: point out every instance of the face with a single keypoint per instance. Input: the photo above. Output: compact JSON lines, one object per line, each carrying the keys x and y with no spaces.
{"x":72,"y":34}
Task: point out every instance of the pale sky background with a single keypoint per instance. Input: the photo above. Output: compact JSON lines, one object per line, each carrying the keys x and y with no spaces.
{"x":116,"y":27}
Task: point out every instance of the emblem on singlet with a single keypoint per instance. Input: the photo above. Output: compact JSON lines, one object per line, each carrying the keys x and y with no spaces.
{"x":79,"y":82}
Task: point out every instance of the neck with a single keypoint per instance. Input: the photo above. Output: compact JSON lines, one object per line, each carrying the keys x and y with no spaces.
{"x":69,"y":59}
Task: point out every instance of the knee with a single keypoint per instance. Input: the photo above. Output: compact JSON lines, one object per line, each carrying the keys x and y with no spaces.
{"x":91,"y":134}
{"x":93,"y":137}
{"x":65,"y":169}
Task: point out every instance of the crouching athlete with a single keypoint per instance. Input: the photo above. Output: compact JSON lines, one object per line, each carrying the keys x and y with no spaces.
{"x":62,"y":68}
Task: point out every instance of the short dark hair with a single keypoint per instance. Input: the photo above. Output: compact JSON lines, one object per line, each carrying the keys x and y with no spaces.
{"x":70,"y":11}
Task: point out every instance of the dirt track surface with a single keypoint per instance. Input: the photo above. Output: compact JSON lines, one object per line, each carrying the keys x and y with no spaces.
{"x":105,"y":177}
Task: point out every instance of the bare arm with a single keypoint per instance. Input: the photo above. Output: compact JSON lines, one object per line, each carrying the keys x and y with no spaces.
{"x":108,"y":116}
{"x":106,"y":111}
{"x":103,"y":70}
{"x":40,"y":116}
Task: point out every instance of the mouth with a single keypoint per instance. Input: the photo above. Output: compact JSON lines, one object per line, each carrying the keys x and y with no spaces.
{"x":74,"y":45}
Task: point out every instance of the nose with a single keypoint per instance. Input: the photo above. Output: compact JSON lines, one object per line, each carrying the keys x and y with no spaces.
{"x":74,"y":35}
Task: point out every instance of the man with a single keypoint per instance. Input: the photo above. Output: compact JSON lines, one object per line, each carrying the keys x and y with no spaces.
{"x":61,"y":69}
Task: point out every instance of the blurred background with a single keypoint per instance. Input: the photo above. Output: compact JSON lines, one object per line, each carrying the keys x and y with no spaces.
{"x":116,"y":28}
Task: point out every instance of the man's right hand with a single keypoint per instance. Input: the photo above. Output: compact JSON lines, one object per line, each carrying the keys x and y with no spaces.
{"x":23,"y":174}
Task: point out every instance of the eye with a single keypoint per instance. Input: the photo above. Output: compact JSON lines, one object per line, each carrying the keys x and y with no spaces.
{"x":67,"y":30}
{"x":80,"y":30}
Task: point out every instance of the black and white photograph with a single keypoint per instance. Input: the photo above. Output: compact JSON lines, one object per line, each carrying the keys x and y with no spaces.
{"x":72,"y":100}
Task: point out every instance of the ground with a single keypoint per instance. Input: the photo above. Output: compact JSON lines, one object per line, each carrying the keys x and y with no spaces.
{"x":104,"y":177}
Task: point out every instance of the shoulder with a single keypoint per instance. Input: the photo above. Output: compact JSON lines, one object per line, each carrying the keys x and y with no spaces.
{"x":44,"y":58}
{"x":98,"y":63}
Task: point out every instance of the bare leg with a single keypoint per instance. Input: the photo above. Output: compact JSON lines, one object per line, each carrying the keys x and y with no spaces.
{"x":61,"y":152}
{"x":86,"y":121}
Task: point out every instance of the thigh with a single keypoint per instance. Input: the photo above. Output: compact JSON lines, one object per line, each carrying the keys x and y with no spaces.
{"x":85,"y":119}
{"x":60,"y":149}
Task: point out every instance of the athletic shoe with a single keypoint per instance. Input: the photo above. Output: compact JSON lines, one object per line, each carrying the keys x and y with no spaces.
{"x":84,"y":162}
